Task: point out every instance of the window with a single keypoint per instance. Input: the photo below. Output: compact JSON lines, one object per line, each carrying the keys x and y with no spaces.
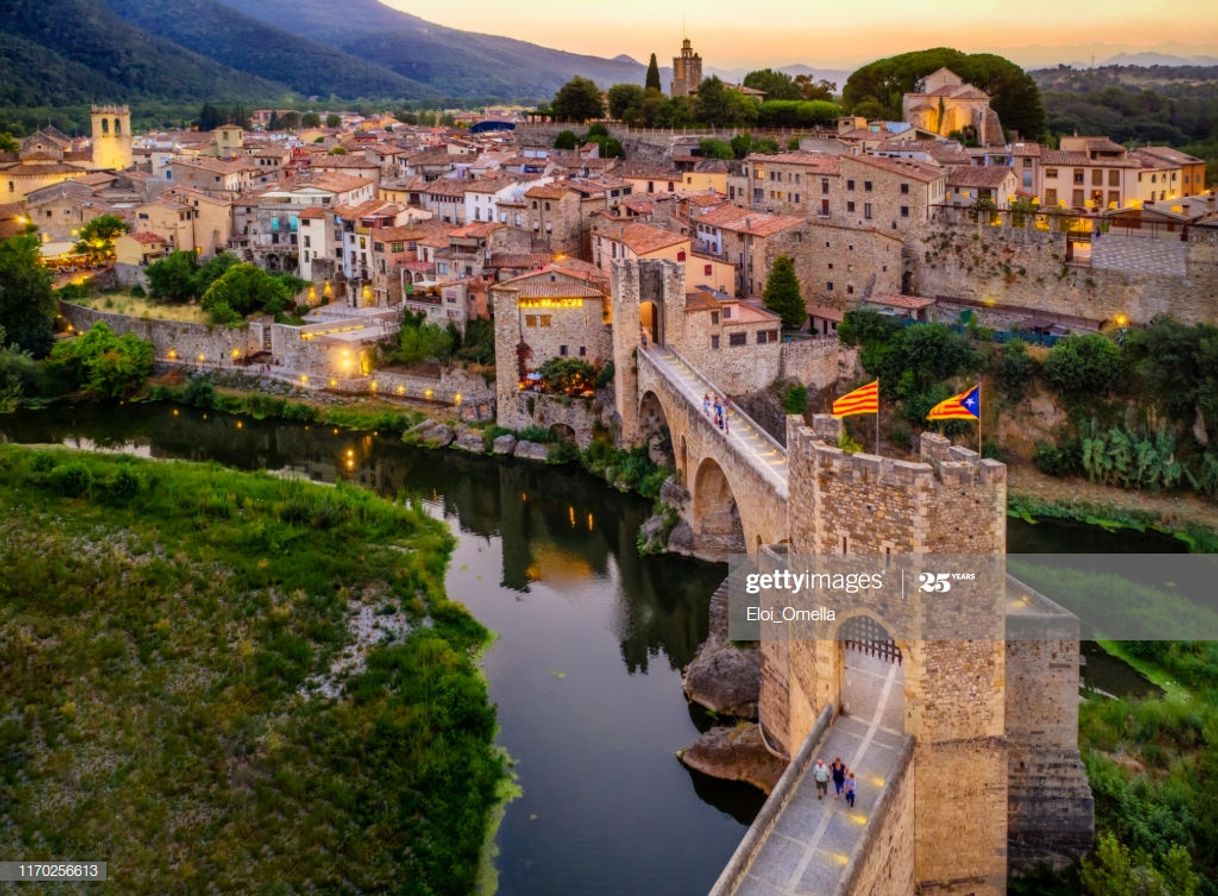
{"x":714,"y":342}
{"x":1097,"y":178}
{"x":1078,"y":176}
{"x":583,"y":351}
{"x":905,"y":189}
{"x":829,"y":286}
{"x":764,"y":336}
{"x":1050,"y":172}
{"x":1027,"y":163}
{"x":850,"y":208}
{"x":545,"y":320}
{"x":905,"y":211}
{"x":727,"y":312}
{"x":562,"y":350}
{"x":866,"y":186}
{"x":795,"y":198}
{"x":850,"y":184}
{"x":1050,"y":197}
{"x":867,"y":210}
{"x":1078,"y":198}
{"x":738,"y":339}
{"x":1114,"y":197}
{"x":530,"y":320}
{"x":824,"y":186}
{"x":849,"y":290}
{"x":824,"y":208}
{"x":1114,"y":178}
{"x":707,"y":269}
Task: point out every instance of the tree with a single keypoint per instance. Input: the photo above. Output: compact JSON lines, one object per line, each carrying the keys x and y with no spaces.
{"x":715,"y":149}
{"x":423,"y":342}
{"x":624,"y":97}
{"x":333,"y":120}
{"x":652,"y":81}
{"x":103,"y":363}
{"x":8,"y":143}
{"x":776,"y":85}
{"x":337,"y":151}
{"x":310,"y":120}
{"x":96,"y":238}
{"x":1115,"y":871}
{"x":578,"y":100}
{"x":782,"y":293}
{"x":27,"y":306}
{"x":566,"y":140}
{"x":244,"y":289}
{"x":815,"y":90}
{"x":1087,"y":364}
{"x":173,"y":278}
{"x":714,"y":102}
{"x":210,"y":117}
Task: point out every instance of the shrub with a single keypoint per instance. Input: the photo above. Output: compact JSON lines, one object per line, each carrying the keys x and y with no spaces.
{"x":795,"y":399}
{"x":1015,"y":369}
{"x":72,"y":480}
{"x":1084,"y":365}
{"x":122,"y":487}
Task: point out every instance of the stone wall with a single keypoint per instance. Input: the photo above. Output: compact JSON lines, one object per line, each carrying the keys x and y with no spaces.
{"x":583,"y":416}
{"x":174,"y":340}
{"x":1131,"y":275}
{"x":884,"y":864}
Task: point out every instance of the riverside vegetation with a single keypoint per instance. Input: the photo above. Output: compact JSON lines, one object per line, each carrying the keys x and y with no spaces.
{"x":166,"y":631}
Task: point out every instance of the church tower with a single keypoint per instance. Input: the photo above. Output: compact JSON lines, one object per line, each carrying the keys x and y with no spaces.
{"x":686,"y":71}
{"x":111,"y":138}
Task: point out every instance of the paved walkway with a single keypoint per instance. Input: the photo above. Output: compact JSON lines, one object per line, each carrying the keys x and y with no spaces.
{"x":744,"y":435}
{"x":813,"y":840}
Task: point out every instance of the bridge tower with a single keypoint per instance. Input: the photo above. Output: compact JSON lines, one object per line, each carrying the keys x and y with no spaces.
{"x":952,"y":502}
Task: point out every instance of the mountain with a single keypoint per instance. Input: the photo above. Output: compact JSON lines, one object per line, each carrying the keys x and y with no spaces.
{"x":454,"y":63}
{"x":1149,"y":58}
{"x":60,"y":52}
{"x":254,"y":47}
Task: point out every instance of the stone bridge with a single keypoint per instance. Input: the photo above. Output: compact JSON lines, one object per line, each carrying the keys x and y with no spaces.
{"x":737,"y":479}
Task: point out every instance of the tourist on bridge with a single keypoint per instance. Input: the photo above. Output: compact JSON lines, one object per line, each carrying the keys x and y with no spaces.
{"x":706,"y":404}
{"x":850,"y":787}
{"x":718,"y":413}
{"x":820,"y":774}
{"x":727,"y":404}
{"x":839,"y":777}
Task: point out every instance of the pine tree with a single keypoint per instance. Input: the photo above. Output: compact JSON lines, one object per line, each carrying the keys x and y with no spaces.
{"x":653,"y":75}
{"x":782,"y":293}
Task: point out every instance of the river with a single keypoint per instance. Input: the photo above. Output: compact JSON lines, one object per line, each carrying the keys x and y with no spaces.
{"x":590,"y":637}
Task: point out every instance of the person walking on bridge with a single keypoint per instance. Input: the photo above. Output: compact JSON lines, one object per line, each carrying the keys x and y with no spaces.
{"x":850,"y":788}
{"x":820,"y":774}
{"x":839,"y":777}
{"x":706,"y":404}
{"x":718,"y":413}
{"x":727,"y":404}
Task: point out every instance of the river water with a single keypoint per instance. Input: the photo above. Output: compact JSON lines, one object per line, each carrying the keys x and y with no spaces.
{"x":590,"y":637}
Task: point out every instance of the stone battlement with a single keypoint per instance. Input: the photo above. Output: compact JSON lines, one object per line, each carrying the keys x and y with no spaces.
{"x":942,"y":462}
{"x":109,"y":110}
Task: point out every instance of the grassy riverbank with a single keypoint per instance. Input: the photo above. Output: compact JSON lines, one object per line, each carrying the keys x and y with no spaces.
{"x":170,"y":634}
{"x":1200,"y":538}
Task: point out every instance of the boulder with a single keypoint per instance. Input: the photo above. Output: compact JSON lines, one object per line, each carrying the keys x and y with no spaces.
{"x":681,"y":538}
{"x":735,"y":753}
{"x":531,"y":451}
{"x":725,"y":678}
{"x":430,"y":434}
{"x":505,"y":444}
{"x":673,"y":493}
{"x":471,"y":440}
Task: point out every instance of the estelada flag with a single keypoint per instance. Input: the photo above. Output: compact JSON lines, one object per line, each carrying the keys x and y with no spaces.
{"x":863,"y":400}
{"x":965,"y":406}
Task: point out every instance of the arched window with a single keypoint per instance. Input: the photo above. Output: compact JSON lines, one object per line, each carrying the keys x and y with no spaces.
{"x":105,"y":126}
{"x":118,"y":127}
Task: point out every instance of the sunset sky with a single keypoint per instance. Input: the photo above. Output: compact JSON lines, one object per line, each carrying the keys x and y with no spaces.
{"x":729,"y":33}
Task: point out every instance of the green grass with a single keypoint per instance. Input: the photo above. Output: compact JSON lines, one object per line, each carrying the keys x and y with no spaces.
{"x":160,"y":627}
{"x":1199,"y":539}
{"x":1172,"y":689}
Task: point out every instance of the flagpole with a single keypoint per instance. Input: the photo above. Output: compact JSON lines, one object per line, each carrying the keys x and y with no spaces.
{"x":980,"y":453}
{"x":877,"y":415}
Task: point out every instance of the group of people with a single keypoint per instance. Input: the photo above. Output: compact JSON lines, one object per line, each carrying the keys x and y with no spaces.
{"x":716,"y":409}
{"x":843,"y":780}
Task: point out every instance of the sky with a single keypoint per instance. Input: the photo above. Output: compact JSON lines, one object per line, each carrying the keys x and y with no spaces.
{"x":729,"y":33}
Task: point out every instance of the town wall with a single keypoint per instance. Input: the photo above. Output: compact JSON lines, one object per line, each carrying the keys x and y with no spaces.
{"x":174,"y":340}
{"x":585,"y":417}
{"x":1137,"y":276}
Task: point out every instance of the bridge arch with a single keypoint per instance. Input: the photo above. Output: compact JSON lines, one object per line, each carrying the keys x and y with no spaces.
{"x":717,"y":521}
{"x":657,"y":432}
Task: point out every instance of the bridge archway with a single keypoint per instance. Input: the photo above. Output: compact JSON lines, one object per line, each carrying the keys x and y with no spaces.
{"x":651,"y":321}
{"x":657,"y":433}
{"x":717,"y":524}
{"x":871,"y":672}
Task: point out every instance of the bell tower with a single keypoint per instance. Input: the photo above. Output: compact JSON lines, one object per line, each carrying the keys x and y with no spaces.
{"x":111,"y":137}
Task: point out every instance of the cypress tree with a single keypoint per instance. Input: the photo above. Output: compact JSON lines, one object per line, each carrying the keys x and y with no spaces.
{"x":653,"y":75}
{"x":782,"y":294}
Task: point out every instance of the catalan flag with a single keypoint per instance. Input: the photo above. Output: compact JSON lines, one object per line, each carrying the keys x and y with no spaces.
{"x":965,"y":406}
{"x":863,"y":400}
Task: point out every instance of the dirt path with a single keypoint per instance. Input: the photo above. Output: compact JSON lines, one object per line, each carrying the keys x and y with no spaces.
{"x":1173,"y":509}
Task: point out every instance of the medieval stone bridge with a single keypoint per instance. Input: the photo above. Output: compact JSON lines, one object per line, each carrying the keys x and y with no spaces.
{"x":737,"y":479}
